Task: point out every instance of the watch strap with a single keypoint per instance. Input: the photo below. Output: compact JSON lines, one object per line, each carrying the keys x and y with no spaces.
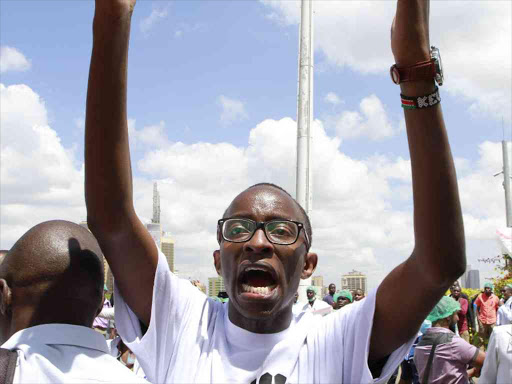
{"x":425,"y":70}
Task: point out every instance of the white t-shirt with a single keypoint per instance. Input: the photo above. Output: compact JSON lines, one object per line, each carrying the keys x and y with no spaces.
{"x":191,"y":340}
{"x":63,"y":353}
{"x":319,"y":307}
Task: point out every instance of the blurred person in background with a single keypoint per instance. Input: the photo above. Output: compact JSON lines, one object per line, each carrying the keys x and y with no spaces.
{"x":358,"y":295}
{"x":441,"y":356}
{"x":504,"y":315}
{"x":343,"y":298}
{"x":497,"y":367}
{"x":462,"y":324}
{"x":329,"y":298}
{"x":487,"y":304}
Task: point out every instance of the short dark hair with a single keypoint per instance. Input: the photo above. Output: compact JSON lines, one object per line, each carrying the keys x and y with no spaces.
{"x":307,"y":222}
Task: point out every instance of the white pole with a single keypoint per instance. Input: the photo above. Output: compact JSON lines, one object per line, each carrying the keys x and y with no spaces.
{"x":506,"y":181}
{"x":305,"y":119}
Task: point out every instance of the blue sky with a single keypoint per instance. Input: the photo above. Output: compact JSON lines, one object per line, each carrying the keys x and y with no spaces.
{"x":224,"y":73}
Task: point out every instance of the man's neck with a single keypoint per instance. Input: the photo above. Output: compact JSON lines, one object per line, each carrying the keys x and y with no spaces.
{"x":273,"y":323}
{"x":312,"y":302}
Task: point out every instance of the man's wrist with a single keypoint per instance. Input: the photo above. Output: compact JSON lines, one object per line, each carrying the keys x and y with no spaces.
{"x":417,"y":88}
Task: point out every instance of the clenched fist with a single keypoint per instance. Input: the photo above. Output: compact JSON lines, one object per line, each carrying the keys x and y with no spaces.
{"x":115,"y":8}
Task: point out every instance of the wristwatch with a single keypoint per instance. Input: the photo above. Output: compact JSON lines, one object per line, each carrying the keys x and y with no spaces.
{"x":426,"y":70}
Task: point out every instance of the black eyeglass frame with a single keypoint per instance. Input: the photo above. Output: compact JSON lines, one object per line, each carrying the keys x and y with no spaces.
{"x":261,"y":225}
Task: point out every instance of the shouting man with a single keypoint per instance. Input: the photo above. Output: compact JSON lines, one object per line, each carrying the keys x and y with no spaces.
{"x":265,"y":240}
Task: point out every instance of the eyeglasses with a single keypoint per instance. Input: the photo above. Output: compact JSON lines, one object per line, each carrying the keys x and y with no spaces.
{"x":282,"y":232}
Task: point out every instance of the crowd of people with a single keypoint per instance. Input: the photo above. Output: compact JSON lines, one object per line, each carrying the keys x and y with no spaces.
{"x":52,"y":285}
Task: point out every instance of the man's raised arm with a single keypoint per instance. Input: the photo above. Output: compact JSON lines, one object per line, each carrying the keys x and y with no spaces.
{"x":127,"y":245}
{"x":411,"y":290}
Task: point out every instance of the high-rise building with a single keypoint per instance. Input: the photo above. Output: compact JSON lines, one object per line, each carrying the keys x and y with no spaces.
{"x":317,"y":281}
{"x":167,"y":247}
{"x":156,"y":204}
{"x":215,"y":285}
{"x":473,"y":279}
{"x":354,"y":280}
{"x":463,"y":279}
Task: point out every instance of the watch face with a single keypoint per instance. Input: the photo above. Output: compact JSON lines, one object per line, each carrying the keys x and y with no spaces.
{"x":395,"y":75}
{"x":439,"y":65}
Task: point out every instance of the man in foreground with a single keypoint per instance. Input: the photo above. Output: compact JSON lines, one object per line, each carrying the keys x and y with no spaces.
{"x":51,"y":289}
{"x":452,"y":354}
{"x":265,"y":241}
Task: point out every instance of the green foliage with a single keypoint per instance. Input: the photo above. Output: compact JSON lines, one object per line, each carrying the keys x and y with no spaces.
{"x":471,"y":292}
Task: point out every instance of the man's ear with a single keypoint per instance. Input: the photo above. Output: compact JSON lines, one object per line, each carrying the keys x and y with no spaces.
{"x":5,"y":298}
{"x":216,"y":261}
{"x":310,"y":262}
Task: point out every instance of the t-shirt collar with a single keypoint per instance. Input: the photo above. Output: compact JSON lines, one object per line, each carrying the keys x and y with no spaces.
{"x":66,"y":334}
{"x":245,"y":339}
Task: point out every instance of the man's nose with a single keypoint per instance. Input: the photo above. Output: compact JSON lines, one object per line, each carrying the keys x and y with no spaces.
{"x":259,"y":244}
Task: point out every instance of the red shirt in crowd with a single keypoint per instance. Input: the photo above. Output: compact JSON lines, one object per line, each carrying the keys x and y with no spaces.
{"x":488,"y":307}
{"x":462,"y":325}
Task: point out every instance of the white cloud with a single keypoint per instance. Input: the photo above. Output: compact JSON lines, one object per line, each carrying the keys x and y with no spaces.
{"x":362,"y":208}
{"x":156,"y":15}
{"x":12,"y":59}
{"x":370,"y":121}
{"x":477,"y":58}
{"x":39,"y":179}
{"x":232,"y":110}
{"x":332,"y":98}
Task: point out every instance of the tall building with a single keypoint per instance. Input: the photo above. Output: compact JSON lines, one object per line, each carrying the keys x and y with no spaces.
{"x":156,"y":204}
{"x":354,"y":280}
{"x":317,"y":281}
{"x":473,"y":279}
{"x":215,"y":285}
{"x":167,"y":247}
{"x":463,"y":279}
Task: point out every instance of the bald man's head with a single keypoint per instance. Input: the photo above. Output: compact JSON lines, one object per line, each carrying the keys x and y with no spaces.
{"x":53,"y":274}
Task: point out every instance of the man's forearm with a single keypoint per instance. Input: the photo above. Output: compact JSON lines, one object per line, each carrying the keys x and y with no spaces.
{"x":439,"y":232}
{"x":108,"y":183}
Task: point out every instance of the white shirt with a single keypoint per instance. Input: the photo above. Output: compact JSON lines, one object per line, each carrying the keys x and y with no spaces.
{"x":319,"y":307}
{"x":504,"y":315}
{"x":63,"y":353}
{"x":113,"y":347}
{"x":497,"y":367}
{"x":190,"y":339}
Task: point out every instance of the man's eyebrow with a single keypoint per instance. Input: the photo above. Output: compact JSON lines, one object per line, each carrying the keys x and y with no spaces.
{"x":272,"y":217}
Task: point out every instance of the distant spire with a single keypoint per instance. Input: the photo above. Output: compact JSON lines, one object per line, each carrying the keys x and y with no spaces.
{"x":156,"y":205}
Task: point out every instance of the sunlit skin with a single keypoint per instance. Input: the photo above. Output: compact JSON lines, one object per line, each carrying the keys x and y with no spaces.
{"x":288,"y":263}
{"x":507,"y":294}
{"x":342,"y":301}
{"x":455,"y":293}
{"x":358,"y":295}
{"x":311,"y":297}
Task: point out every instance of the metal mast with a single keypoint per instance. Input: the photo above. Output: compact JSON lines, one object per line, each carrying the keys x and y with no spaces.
{"x":305,"y":118}
{"x":506,"y":180}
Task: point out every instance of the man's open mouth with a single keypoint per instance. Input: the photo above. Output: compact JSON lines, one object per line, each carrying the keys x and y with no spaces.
{"x":258,"y":280}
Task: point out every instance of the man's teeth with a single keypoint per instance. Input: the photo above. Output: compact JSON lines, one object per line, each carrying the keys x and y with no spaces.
{"x":259,"y":290}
